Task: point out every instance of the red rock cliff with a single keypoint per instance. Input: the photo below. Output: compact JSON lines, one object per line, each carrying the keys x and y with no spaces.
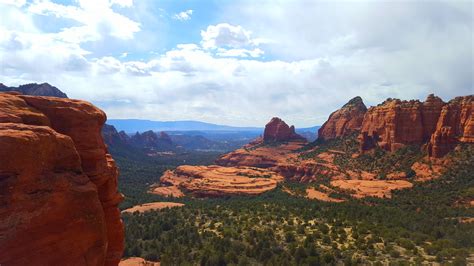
{"x":455,"y":124}
{"x":58,"y":184}
{"x":396,"y":123}
{"x":344,"y":121}
{"x":278,"y":130}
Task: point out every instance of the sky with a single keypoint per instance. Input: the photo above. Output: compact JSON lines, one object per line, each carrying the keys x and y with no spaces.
{"x":238,"y":62}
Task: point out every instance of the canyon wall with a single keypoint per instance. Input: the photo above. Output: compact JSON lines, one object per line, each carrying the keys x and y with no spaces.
{"x":344,"y":121}
{"x":455,"y":124}
{"x":58,"y":184}
{"x":395,"y":123}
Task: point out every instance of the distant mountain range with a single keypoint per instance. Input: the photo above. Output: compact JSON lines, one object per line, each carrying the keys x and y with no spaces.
{"x":139,"y":125}
{"x":132,"y":126}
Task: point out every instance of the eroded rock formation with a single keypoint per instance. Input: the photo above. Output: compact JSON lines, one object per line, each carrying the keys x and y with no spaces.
{"x":390,"y":125}
{"x":218,"y":181}
{"x":394,"y":124}
{"x":112,"y":137}
{"x":455,"y":124}
{"x":344,"y":121}
{"x":277,"y":130}
{"x":257,"y":154}
{"x":371,"y":188}
{"x":58,"y":184}
{"x":150,"y":140}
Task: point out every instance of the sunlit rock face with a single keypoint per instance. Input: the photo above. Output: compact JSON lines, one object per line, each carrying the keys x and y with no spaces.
{"x":277,"y":130}
{"x":218,"y":181}
{"x":58,"y":184}
{"x":455,"y":124}
{"x":395,"y":123}
{"x":344,"y":121}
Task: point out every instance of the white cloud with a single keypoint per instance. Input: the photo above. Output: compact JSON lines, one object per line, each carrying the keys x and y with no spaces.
{"x":239,"y":52}
{"x":313,"y":65}
{"x":17,"y":3}
{"x":96,"y":17}
{"x":184,"y":15}
{"x":225,"y":35}
{"x":231,"y":41}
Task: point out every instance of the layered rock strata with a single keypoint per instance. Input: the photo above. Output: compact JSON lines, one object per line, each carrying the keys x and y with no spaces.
{"x":278,"y":131}
{"x":218,"y":181}
{"x":58,"y":184}
{"x":455,"y":124}
{"x":394,"y":124}
{"x":344,"y":121}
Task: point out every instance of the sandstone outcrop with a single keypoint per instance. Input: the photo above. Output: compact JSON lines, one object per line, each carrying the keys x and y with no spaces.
{"x":371,"y":188}
{"x":152,"y":206}
{"x":344,"y":121}
{"x":112,"y":137}
{"x":312,"y":193}
{"x":257,"y":154}
{"x":58,"y":184}
{"x":455,"y":124}
{"x":277,"y":131}
{"x":168,"y":191}
{"x":284,"y":160}
{"x":136,"y":261}
{"x":218,"y":181}
{"x":150,"y":140}
{"x":396,"y":123}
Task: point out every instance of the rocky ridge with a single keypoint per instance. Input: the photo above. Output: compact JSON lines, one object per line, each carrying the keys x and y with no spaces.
{"x":147,"y":140}
{"x":344,"y":121}
{"x":35,"y":89}
{"x":392,"y":125}
{"x":395,"y":124}
{"x":59,"y":185}
{"x":217,"y":181}
{"x":113,"y":137}
{"x":150,"y":140}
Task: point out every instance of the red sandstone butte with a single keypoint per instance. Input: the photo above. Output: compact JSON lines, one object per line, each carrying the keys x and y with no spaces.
{"x":344,"y":121}
{"x":277,"y":130}
{"x":58,"y":184}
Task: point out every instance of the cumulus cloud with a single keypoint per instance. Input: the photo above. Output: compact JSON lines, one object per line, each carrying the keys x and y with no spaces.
{"x":225,"y":35}
{"x":96,"y":17}
{"x":184,"y":15}
{"x":313,"y":64}
{"x":230,"y":40}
